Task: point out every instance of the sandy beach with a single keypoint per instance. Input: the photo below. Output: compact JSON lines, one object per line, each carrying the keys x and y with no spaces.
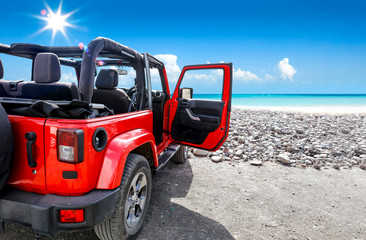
{"x":283,"y":173}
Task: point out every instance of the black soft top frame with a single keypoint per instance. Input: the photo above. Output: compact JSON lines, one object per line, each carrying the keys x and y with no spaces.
{"x":115,"y":50}
{"x":99,"y":47}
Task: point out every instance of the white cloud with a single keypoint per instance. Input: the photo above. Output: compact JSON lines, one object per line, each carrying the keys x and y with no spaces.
{"x":155,"y":76}
{"x":173,"y":71}
{"x":287,"y":71}
{"x":69,"y":77}
{"x":171,"y":66}
{"x":245,"y":76}
{"x":269,"y":77}
{"x":209,"y":77}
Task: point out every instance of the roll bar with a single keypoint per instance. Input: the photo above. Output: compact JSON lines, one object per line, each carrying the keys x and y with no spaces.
{"x":86,"y":83}
{"x":147,"y":69}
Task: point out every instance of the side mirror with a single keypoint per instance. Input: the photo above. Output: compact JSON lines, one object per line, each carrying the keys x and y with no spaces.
{"x":121,"y":72}
{"x":186,"y":93}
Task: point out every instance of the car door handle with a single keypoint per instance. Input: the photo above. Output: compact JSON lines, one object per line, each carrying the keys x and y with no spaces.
{"x":31,"y":139}
{"x":202,"y":118}
{"x":191,"y":115}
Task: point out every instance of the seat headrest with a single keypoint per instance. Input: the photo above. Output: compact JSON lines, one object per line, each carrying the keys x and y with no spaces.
{"x":107,"y":79}
{"x":1,"y":70}
{"x":47,"y":68}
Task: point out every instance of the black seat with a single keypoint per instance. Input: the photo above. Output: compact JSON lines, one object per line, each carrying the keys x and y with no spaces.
{"x":107,"y":94}
{"x":47,"y":73}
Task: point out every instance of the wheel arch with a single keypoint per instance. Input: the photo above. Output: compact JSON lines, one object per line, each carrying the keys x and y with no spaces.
{"x":146,"y":150}
{"x":139,"y":141}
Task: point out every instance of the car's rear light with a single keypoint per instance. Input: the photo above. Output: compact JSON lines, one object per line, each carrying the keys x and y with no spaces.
{"x":72,"y":216}
{"x":70,"y":145}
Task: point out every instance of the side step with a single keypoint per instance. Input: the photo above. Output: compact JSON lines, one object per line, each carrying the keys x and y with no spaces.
{"x":166,"y":156}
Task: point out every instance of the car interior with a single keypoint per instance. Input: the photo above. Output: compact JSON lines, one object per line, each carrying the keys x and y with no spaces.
{"x":47,"y":84}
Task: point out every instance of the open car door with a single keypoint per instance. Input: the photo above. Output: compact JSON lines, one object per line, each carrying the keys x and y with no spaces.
{"x":201,"y":120}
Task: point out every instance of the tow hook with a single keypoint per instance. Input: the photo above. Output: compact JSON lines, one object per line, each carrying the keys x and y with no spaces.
{"x":31,"y":139}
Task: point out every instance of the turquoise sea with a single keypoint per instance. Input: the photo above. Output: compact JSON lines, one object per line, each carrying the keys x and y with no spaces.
{"x":291,"y":99}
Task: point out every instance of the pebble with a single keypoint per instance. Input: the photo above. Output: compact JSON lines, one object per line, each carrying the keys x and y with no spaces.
{"x":241,"y":140}
{"x":345,"y":131}
{"x":299,"y":131}
{"x":296,"y":139}
{"x":284,"y":158}
{"x":200,"y":152}
{"x":216,"y":159}
{"x":238,"y":153}
{"x":256,"y":162}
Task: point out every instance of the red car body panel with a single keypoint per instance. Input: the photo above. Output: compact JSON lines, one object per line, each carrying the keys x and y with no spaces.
{"x":115,"y":157}
{"x":49,"y":175}
{"x":215,"y":139}
{"x":22,"y":176}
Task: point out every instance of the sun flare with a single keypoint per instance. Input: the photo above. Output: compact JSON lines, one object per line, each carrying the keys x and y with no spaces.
{"x":56,"y":21}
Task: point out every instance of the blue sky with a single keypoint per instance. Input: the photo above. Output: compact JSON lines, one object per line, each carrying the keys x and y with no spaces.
{"x":276,"y":46}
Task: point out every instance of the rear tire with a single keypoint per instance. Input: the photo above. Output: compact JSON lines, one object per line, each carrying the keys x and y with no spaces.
{"x":181,"y":155}
{"x":6,"y":147}
{"x":134,"y":198}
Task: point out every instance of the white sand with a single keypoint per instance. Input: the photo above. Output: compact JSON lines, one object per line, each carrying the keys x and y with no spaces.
{"x":310,"y":109}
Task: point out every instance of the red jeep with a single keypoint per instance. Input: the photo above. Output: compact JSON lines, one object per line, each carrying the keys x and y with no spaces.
{"x":74,"y":156}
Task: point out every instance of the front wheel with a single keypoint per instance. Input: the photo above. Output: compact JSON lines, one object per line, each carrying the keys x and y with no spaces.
{"x":134,"y":198}
{"x":181,"y":155}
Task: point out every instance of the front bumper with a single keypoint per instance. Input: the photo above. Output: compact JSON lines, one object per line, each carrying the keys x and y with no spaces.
{"x":41,"y":212}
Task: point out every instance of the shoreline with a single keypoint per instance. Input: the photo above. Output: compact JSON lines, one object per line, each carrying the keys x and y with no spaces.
{"x":323,"y":109}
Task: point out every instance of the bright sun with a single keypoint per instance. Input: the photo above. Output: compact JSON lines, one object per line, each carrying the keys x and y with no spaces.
{"x":55,"y":21}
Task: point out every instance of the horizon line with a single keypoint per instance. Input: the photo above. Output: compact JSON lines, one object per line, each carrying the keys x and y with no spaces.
{"x":339,"y":94}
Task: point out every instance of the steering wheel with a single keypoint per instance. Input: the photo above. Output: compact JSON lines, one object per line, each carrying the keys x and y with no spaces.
{"x":131,"y":91}
{"x":134,"y":105}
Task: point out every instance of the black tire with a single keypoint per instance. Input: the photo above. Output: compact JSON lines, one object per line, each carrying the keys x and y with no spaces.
{"x":119,"y":226}
{"x":6,"y":147}
{"x":181,"y":155}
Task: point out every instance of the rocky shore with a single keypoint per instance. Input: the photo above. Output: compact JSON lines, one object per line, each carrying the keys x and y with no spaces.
{"x":294,"y":139}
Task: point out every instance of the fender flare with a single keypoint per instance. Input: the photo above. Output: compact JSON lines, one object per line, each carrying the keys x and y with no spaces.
{"x":116,"y":154}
